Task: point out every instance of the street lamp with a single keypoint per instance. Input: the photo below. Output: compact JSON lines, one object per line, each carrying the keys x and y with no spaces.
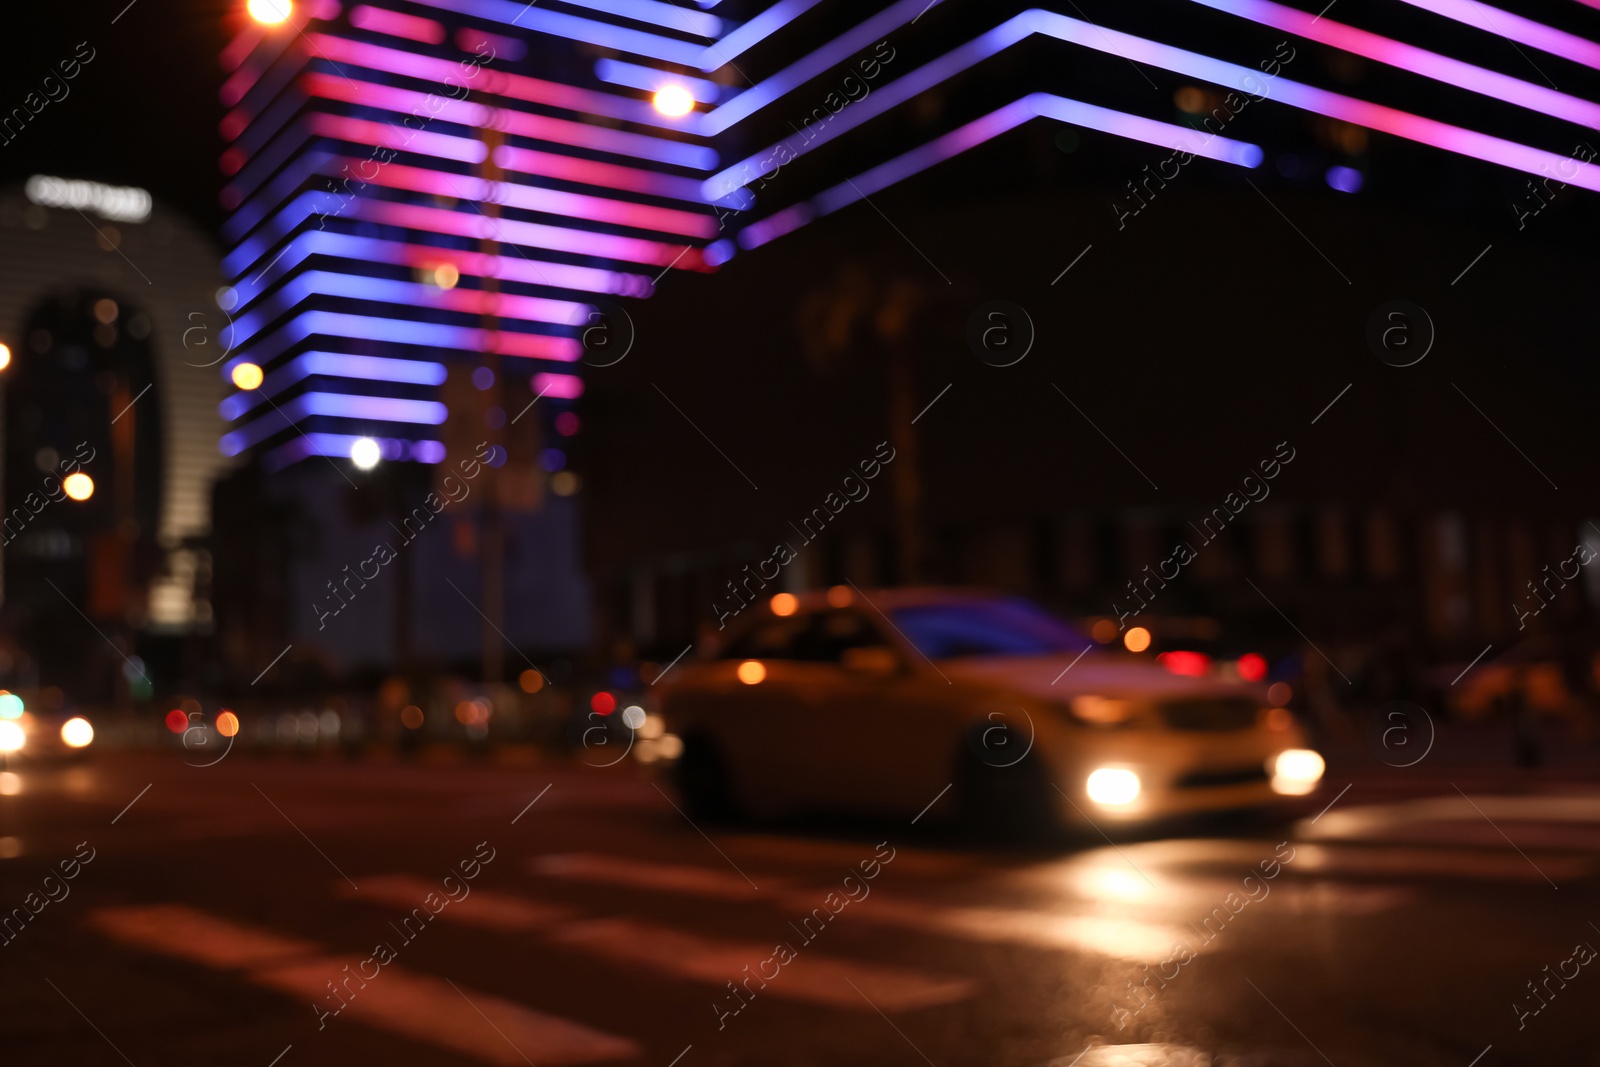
{"x":5,"y":357}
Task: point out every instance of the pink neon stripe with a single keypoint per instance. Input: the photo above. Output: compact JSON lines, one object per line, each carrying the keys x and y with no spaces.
{"x":549,"y":201}
{"x":559,"y":386}
{"x":589,"y":172}
{"x":238,"y":49}
{"x":1417,"y":60}
{"x":538,"y":127}
{"x":516,"y":86}
{"x":399,"y":138}
{"x":1516,"y":28}
{"x":395,"y":24}
{"x":531,"y":234}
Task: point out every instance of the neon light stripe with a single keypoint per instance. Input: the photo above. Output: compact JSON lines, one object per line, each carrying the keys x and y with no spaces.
{"x":332,"y":365}
{"x":1514,"y":27}
{"x":404,"y":294}
{"x":333,"y":405}
{"x":533,"y":17}
{"x":589,"y":172}
{"x":521,"y":123}
{"x":548,"y":201}
{"x":651,"y":79}
{"x":503,"y":342}
{"x":558,"y":386}
{"x":471,"y":224}
{"x":677,"y":19}
{"x":753,"y":32}
{"x":393,"y":23}
{"x":1035,"y":105}
{"x":1417,"y":60}
{"x":818,"y":62}
{"x":335,"y":444}
{"x":476,"y":264}
{"x":875,"y":103}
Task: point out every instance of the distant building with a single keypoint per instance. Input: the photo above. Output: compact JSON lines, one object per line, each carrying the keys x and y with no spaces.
{"x":108,"y":309}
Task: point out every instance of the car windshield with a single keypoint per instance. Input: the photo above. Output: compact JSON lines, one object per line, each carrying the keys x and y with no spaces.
{"x":1011,"y":627}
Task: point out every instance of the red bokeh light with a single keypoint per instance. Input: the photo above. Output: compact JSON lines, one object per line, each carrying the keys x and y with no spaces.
{"x":603,"y":703}
{"x":1188,"y":664}
{"x":177,"y":721}
{"x":1252,"y":668}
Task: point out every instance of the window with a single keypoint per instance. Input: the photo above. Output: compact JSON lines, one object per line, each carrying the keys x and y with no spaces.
{"x":819,"y":637}
{"x":1012,"y":627}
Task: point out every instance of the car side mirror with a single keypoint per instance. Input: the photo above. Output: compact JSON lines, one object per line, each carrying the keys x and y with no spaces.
{"x":875,"y":660}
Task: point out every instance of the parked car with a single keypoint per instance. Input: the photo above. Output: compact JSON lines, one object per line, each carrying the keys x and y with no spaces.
{"x":886,"y":701}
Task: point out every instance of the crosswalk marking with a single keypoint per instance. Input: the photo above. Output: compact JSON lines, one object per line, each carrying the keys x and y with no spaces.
{"x":640,"y":874}
{"x":427,"y":1009}
{"x":810,"y":977}
{"x":395,"y":999}
{"x":813,"y":978}
{"x":176,"y":930}
{"x":484,"y":908}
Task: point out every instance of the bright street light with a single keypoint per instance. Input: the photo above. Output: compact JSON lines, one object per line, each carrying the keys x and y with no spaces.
{"x":270,"y":12}
{"x":78,"y":485}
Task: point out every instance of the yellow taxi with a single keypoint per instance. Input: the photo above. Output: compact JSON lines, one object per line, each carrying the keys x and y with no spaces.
{"x":963,"y":703}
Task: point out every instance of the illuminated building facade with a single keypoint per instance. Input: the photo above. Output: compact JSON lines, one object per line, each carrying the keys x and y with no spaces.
{"x":439,"y":205}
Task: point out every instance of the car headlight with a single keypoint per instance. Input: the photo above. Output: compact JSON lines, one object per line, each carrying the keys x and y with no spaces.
{"x":1296,"y":771}
{"x":12,"y":737}
{"x":1113,"y":786}
{"x":76,"y":732}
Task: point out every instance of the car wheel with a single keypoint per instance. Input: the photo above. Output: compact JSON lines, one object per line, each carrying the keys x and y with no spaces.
{"x":702,"y":780}
{"x":1007,"y":803}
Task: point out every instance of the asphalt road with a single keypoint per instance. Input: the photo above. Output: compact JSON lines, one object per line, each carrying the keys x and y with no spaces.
{"x":235,"y":913}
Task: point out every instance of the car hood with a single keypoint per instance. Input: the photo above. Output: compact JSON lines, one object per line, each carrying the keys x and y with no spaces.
{"x":1042,"y":677}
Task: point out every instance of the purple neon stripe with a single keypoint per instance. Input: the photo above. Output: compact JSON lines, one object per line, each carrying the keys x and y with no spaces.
{"x":533,"y":17}
{"x":333,"y":405}
{"x":754,"y":32}
{"x":368,"y":249}
{"x":656,"y":13}
{"x":409,"y":332}
{"x":810,"y":66}
{"x":1296,"y":94}
{"x":651,"y":79}
{"x":1515,"y":27}
{"x":1417,"y":60}
{"x":302,"y":446}
{"x":392,"y":291}
{"x":870,"y":106}
{"x":333,"y":365}
{"x":776,"y":225}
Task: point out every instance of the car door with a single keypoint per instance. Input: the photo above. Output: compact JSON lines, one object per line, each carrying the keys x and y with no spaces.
{"x":869,"y":736}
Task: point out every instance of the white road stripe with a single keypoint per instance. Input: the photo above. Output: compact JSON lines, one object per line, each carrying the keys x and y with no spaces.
{"x":482,"y":908}
{"x":668,"y":950}
{"x":416,"y":1006}
{"x":641,"y":874}
{"x":811,"y":977}
{"x":427,"y":1009}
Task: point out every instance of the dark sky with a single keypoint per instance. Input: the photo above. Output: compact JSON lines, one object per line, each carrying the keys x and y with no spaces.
{"x":143,"y":111}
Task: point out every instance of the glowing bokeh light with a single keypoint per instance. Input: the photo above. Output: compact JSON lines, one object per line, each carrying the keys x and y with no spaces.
{"x":247,"y":376}
{"x":270,"y":12}
{"x":751,"y":672}
{"x":78,"y":486}
{"x":365,"y":453}
{"x":673,"y":100}
{"x":1113,"y":786}
{"x":11,"y":736}
{"x":76,"y":732}
{"x":1136,"y":639}
{"x":785,"y":604}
